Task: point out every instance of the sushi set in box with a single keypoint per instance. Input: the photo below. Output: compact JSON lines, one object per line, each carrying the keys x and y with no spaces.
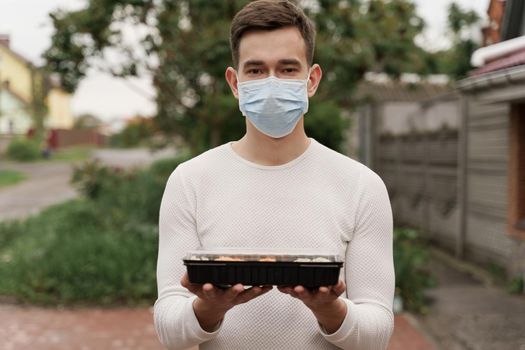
{"x":229,"y":266}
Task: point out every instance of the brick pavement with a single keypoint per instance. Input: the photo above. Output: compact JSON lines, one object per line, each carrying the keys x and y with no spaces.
{"x":35,"y":328}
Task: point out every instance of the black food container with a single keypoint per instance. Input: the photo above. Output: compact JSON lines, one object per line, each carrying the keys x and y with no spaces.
{"x":229,"y":268}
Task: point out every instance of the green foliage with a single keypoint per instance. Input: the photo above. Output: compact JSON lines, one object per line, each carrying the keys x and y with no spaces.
{"x":410,"y":258}
{"x":87,"y":121}
{"x":134,"y":135}
{"x":126,"y":193}
{"x":162,"y":168}
{"x":10,"y":177}
{"x":69,"y":254}
{"x":455,"y":61}
{"x":355,"y":37}
{"x":325,"y":123}
{"x":516,"y":285}
{"x":459,"y":19}
{"x":99,"y":249}
{"x":24,"y":150}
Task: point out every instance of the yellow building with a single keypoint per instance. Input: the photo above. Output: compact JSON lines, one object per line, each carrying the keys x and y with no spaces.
{"x":20,"y":84}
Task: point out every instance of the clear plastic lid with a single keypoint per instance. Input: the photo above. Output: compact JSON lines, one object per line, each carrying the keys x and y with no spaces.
{"x":262,"y":255}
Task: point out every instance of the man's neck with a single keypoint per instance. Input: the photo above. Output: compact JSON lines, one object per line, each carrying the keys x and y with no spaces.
{"x":263,"y":150}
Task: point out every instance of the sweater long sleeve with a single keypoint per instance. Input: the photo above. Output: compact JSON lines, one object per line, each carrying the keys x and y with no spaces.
{"x":320,"y":200}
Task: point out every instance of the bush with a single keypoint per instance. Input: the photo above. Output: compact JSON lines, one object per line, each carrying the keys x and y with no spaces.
{"x":101,"y":249}
{"x":126,"y":193}
{"x":68,"y":255}
{"x":410,"y":257}
{"x":134,"y":134}
{"x":23,"y":150}
{"x":325,"y":123}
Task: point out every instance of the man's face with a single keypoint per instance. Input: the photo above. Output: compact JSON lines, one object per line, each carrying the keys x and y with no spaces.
{"x":281,"y":53}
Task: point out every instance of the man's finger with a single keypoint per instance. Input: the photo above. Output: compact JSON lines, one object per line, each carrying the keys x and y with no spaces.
{"x":185,"y":281}
{"x":208,"y":290}
{"x":339,"y":288}
{"x":284,"y":289}
{"x":252,"y":293}
{"x":193,"y":288}
{"x":324,"y":291}
{"x":302,"y":293}
{"x":233,"y":291}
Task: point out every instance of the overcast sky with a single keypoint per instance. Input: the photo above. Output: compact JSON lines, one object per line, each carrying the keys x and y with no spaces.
{"x":29,"y":26}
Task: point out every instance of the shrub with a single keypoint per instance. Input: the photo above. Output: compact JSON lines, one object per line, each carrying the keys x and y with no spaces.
{"x":410,"y":257}
{"x":23,"y":150}
{"x":69,"y":255}
{"x":325,"y":123}
{"x":516,"y":285}
{"x":134,"y":134}
{"x":100,"y":249}
{"x":126,"y":193}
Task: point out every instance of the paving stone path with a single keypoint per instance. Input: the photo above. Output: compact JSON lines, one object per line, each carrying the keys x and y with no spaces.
{"x":467,"y":314}
{"x":34,"y":328}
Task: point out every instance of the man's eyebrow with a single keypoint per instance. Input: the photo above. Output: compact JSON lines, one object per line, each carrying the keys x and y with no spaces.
{"x":290,"y":61}
{"x":253,"y":63}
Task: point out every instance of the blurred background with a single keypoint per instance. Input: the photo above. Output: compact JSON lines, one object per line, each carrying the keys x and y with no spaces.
{"x":101,"y":99}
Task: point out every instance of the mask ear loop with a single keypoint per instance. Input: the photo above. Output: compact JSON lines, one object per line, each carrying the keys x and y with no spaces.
{"x":308,"y":80}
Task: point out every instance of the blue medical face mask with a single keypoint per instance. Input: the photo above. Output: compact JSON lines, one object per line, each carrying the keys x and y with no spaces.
{"x":273,"y":105}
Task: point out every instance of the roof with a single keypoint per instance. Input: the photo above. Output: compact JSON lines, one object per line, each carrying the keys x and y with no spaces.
{"x":513,"y":59}
{"x":506,"y":77}
{"x":16,"y":54}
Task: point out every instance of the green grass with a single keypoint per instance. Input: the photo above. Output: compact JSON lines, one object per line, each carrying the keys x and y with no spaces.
{"x":72,"y":154}
{"x":10,"y":177}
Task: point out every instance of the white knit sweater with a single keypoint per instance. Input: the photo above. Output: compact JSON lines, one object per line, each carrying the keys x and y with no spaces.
{"x":321,"y":199}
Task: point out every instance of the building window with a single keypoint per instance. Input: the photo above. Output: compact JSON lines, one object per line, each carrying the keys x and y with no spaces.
{"x":517,"y":172}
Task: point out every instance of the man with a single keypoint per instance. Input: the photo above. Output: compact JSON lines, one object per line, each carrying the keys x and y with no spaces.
{"x":275,"y":187}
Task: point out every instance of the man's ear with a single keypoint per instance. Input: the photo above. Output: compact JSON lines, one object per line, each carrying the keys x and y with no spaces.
{"x":315,"y":78}
{"x":231,"y":78}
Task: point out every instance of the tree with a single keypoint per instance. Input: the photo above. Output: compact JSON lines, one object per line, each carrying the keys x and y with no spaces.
{"x":184,"y":45}
{"x":86,"y":121}
{"x":355,"y":37}
{"x":460,"y":23}
{"x":196,"y":101}
{"x":455,"y":61}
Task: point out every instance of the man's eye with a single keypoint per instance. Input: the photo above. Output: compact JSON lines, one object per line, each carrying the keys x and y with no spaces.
{"x":290,"y":70}
{"x":255,"y":71}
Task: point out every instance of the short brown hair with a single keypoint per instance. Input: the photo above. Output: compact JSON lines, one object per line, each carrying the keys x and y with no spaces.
{"x":271,"y":15}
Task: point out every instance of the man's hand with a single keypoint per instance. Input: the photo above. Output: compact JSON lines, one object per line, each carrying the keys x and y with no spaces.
{"x":212,"y":303}
{"x":324,"y":302}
